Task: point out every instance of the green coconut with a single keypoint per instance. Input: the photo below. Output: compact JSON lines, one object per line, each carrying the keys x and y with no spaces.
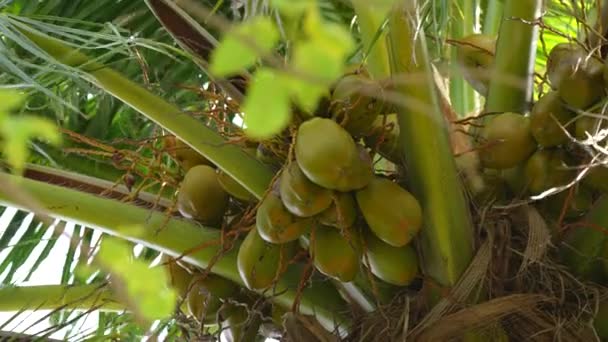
{"x":329,"y":157}
{"x":506,"y":141}
{"x":301,"y":196}
{"x":179,"y":277}
{"x":186,"y":156}
{"x":342,"y":212}
{"x":276,"y":224}
{"x":260,"y":262}
{"x":475,"y":56}
{"x":576,"y":74}
{"x":239,"y":324}
{"x":356,"y":102}
{"x":589,"y":125}
{"x":392,"y":213}
{"x":206,"y":295}
{"x":232,"y":187}
{"x":384,"y":138}
{"x":548,"y":120}
{"x":597,"y":178}
{"x":334,"y":255}
{"x":394,"y":265}
{"x":546,"y":169}
{"x":201,"y":196}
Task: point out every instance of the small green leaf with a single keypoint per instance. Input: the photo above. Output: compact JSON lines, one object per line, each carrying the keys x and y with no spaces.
{"x":10,"y":99}
{"x":146,"y":287}
{"x":336,"y":40}
{"x":321,"y":58}
{"x":243,"y":45}
{"x":293,"y":8}
{"x":16,"y":133}
{"x":379,"y":6}
{"x":267,"y":106}
{"x":320,"y":70}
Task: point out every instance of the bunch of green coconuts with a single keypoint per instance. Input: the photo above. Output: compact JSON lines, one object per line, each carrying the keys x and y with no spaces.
{"x":326,"y":201}
{"x":526,"y":154}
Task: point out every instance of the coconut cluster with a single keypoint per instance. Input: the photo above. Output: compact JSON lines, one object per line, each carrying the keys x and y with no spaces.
{"x":327,"y":201}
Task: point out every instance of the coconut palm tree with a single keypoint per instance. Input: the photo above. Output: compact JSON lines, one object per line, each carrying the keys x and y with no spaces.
{"x":127,"y":126}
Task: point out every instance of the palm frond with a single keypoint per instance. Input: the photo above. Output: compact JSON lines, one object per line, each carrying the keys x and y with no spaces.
{"x":125,"y":34}
{"x":21,"y":246}
{"x":48,"y":241}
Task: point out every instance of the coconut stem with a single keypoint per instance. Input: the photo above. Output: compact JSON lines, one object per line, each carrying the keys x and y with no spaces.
{"x":446,"y":240}
{"x":462,"y":95}
{"x":492,"y":18}
{"x":511,"y":83}
{"x":370,"y":18}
